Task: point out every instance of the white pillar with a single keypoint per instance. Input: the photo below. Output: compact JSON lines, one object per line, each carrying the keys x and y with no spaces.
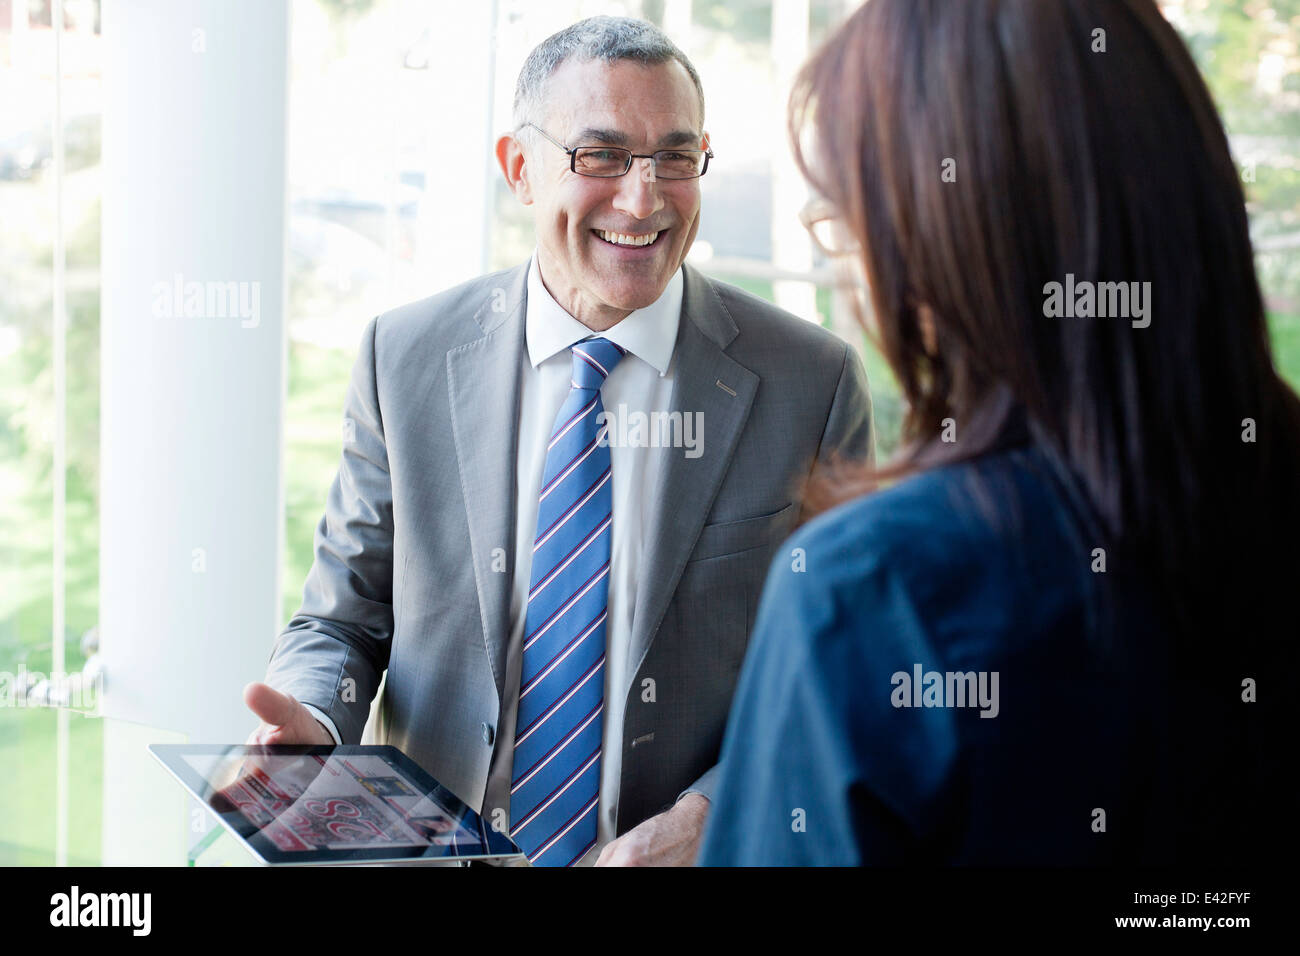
{"x":460,"y":171}
{"x":193,"y":365}
{"x":791,"y":247}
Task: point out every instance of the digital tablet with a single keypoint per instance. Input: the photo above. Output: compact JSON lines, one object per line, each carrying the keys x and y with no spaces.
{"x":296,"y":804}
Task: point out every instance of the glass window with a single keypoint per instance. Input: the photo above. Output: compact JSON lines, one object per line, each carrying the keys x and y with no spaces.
{"x":49,"y":552}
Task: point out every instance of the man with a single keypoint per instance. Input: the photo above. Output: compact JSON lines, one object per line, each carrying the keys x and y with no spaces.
{"x":561,"y":603}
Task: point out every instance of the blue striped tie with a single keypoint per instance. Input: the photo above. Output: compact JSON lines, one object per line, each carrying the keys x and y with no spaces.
{"x":555,"y":788}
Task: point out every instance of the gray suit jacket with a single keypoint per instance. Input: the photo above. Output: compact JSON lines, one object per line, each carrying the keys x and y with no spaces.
{"x":423,"y":507}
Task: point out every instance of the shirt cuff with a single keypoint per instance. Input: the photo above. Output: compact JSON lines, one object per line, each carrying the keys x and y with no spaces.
{"x":329,"y":724}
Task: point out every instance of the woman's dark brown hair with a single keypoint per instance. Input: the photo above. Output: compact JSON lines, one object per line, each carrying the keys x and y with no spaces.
{"x":1080,"y":141}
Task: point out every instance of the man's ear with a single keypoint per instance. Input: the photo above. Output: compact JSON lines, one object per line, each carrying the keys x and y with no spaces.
{"x":514,"y":166}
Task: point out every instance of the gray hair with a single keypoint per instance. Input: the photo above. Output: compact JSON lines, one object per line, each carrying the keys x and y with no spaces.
{"x":608,"y":39}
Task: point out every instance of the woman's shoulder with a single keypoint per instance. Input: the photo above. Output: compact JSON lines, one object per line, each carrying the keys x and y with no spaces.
{"x":1001,"y":517}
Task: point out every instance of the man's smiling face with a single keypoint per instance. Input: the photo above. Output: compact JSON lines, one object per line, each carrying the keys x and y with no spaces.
{"x":584,"y":224}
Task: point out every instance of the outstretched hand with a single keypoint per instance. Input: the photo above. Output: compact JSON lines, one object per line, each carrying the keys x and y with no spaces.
{"x":284,"y":720}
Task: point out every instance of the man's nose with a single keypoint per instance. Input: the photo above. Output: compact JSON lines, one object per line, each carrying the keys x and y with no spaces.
{"x":638,"y":191}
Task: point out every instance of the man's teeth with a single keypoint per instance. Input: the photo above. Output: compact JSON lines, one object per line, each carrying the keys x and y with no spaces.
{"x":621,"y":240}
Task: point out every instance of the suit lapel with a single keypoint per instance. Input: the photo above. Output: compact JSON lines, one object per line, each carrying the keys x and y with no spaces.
{"x":483,"y":393}
{"x":483,"y":390}
{"x":710,"y":382}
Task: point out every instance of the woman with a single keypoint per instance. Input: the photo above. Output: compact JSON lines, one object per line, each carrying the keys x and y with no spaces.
{"x":1059,"y":628}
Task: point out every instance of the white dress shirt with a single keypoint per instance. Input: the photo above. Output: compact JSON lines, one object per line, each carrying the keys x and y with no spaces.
{"x":641,"y":382}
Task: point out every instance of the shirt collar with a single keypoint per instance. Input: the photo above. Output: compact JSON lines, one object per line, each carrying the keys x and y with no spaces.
{"x":650,"y":333}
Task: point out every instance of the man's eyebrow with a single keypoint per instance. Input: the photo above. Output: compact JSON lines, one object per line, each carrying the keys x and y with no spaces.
{"x":678,"y":137}
{"x":611,"y":136}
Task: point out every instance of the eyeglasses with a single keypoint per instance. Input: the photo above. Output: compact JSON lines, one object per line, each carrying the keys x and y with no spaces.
{"x":829,"y":232}
{"x":608,"y":162}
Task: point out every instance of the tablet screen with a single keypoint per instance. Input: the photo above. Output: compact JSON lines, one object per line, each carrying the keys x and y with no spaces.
{"x":313,"y":802}
{"x":332,"y":804}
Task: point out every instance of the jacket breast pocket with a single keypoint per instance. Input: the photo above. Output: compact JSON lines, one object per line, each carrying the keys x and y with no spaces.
{"x":733,"y":537}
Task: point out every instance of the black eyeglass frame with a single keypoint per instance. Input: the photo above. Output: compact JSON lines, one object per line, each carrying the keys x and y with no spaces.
{"x":572,"y":151}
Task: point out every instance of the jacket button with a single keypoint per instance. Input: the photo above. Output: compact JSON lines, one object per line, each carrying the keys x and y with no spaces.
{"x":487,"y":734}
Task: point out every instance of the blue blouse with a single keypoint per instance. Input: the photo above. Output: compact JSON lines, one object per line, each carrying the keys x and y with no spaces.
{"x":931,"y":678}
